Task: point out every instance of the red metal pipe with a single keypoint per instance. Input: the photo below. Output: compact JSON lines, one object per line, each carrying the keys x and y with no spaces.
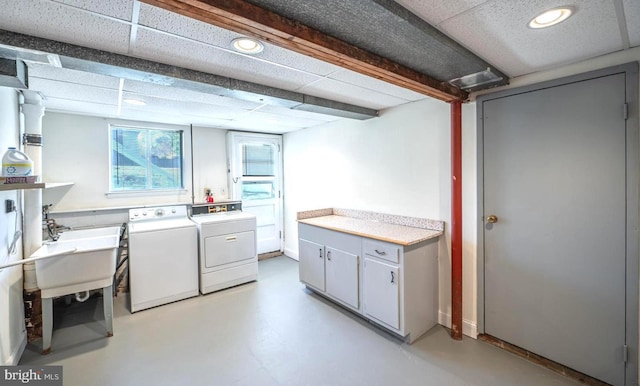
{"x":456,"y":220}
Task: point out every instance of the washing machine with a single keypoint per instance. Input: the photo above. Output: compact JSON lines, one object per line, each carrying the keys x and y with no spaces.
{"x":163,"y":256}
{"x":227,"y":245}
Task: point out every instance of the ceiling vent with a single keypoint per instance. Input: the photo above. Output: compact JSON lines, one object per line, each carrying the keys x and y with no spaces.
{"x":13,"y":73}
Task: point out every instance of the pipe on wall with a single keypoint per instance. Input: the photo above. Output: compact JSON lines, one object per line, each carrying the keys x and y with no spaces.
{"x":456,"y":220}
{"x":33,"y":111}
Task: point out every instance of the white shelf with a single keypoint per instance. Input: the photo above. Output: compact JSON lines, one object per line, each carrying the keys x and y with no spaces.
{"x":49,"y":185}
{"x":38,"y":185}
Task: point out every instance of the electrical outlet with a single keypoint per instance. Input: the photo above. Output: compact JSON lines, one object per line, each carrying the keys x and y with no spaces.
{"x":9,"y":206}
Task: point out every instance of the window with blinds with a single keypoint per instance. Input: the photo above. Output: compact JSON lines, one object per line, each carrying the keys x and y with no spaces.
{"x":146,"y":159}
{"x":258,"y":160}
{"x":258,"y":171}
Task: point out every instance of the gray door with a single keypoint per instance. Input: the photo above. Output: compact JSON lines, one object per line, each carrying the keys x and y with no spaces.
{"x":554,"y":175}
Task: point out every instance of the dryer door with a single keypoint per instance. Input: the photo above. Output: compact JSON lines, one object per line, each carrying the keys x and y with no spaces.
{"x":229,"y":248}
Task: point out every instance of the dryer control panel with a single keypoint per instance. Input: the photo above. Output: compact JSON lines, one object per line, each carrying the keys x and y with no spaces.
{"x":232,"y":206}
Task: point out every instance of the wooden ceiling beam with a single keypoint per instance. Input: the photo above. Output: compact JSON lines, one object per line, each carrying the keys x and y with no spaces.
{"x":253,"y":21}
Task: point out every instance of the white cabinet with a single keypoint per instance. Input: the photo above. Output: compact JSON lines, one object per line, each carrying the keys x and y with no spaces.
{"x":394,"y":286}
{"x":382,"y":292}
{"x":311,"y":263}
{"x":329,"y":263}
{"x":341,"y":272}
{"x":382,"y":282}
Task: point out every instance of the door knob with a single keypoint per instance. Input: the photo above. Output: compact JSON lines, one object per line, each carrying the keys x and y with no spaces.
{"x":492,"y":219}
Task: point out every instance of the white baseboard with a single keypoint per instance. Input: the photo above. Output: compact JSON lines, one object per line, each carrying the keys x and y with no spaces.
{"x":16,"y":354}
{"x":469,"y":328}
{"x":292,"y":253}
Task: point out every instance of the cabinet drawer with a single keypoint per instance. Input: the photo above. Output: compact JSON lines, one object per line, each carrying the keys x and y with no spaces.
{"x":382,"y":250}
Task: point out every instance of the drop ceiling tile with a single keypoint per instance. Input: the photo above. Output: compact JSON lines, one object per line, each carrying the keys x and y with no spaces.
{"x":180,"y":94}
{"x":80,"y":107}
{"x":159,"y":104}
{"x":45,"y":71}
{"x":190,"y":28}
{"x":436,"y":11}
{"x":297,"y":113}
{"x":257,"y":127}
{"x":163,"y":20}
{"x":163,"y":117}
{"x":498,"y":32}
{"x":352,"y":94}
{"x":73,"y":91}
{"x":632,"y":15}
{"x":272,"y":123}
{"x":204,"y":121}
{"x":56,"y":21}
{"x":121,"y":9}
{"x":172,"y":50}
{"x":376,"y":85}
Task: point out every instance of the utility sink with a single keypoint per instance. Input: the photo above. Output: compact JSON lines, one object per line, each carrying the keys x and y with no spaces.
{"x":79,"y":261}
{"x":89,"y":233}
{"x":76,"y":265}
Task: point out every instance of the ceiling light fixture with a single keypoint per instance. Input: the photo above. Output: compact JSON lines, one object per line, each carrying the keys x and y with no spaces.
{"x":135,"y":102}
{"x":551,"y":17}
{"x":247,"y":45}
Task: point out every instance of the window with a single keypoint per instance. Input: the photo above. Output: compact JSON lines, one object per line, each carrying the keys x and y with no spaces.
{"x":145,"y":159}
{"x":258,"y":171}
{"x":257,"y":160}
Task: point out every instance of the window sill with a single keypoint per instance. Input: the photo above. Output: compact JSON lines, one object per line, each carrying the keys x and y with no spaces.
{"x":145,"y":193}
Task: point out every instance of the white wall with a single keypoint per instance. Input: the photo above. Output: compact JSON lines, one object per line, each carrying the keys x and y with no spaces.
{"x":13,"y":335}
{"x":210,"y":163}
{"x":398,"y":163}
{"x":76,"y":149}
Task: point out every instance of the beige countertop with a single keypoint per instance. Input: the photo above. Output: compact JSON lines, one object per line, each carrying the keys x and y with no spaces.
{"x":393,"y":233}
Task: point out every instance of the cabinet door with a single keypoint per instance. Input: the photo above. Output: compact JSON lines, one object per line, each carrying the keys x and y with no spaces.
{"x":342,"y":276}
{"x":311,"y":263}
{"x":382,"y":292}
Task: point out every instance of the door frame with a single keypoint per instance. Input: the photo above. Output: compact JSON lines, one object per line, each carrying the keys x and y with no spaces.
{"x":231,"y":136}
{"x":633,"y":184}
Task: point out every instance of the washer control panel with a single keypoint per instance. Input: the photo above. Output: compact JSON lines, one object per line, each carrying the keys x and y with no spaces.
{"x":158,"y":213}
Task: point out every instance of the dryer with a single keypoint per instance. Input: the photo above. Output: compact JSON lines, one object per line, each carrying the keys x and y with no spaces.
{"x":227,"y":245}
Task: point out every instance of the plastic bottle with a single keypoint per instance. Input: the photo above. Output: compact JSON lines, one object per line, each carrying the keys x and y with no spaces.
{"x":16,"y":163}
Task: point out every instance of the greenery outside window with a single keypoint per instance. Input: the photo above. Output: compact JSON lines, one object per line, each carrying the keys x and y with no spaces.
{"x":146,"y":159}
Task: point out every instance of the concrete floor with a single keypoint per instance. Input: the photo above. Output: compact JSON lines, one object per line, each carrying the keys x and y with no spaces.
{"x":272,"y":332}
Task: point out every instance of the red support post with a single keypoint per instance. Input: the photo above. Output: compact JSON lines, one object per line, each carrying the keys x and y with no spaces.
{"x":456,"y":220}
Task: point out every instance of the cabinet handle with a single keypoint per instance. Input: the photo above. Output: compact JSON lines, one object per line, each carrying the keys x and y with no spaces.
{"x":320,"y":250}
{"x":381,"y":253}
{"x":329,"y":255}
{"x":231,"y":238}
{"x":393,"y":277}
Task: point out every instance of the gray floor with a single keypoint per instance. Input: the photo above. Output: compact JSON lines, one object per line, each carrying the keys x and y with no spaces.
{"x":273,"y":332}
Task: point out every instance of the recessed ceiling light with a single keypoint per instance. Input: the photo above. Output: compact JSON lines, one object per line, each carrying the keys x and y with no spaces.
{"x":551,"y":17}
{"x":247,"y":45}
{"x":135,"y":102}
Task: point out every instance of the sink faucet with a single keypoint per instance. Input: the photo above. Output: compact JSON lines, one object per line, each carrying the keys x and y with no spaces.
{"x":52,"y":229}
{"x":49,"y":224}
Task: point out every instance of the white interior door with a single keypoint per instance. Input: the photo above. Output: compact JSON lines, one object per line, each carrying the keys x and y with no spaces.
{"x":255,"y":177}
